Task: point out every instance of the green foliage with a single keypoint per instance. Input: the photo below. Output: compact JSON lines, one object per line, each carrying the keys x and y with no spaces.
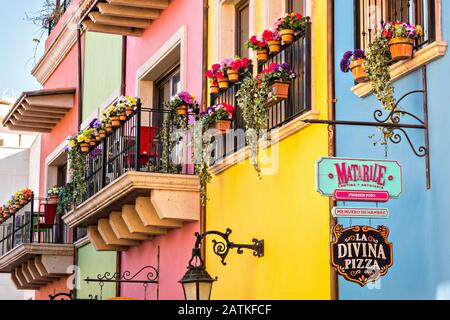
{"x":77,"y":170}
{"x":65,"y":198}
{"x":376,"y":66}
{"x":251,"y":98}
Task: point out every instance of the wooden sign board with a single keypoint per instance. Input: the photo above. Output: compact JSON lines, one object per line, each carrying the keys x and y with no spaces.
{"x":361,"y":254}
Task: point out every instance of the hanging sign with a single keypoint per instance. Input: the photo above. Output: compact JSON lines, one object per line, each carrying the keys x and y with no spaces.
{"x":359,"y":179}
{"x":361,"y":254}
{"x":372,"y":213}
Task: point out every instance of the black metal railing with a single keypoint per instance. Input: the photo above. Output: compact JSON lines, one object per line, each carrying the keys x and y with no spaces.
{"x":139,"y":145}
{"x":64,"y":5}
{"x":371,"y":14}
{"x":298,"y":56}
{"x":36,"y":222}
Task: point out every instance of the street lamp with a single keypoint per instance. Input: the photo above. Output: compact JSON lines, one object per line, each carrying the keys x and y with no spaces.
{"x":197,"y":283}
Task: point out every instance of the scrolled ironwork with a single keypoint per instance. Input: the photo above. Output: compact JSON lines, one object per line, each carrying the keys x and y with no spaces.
{"x":396,"y":138}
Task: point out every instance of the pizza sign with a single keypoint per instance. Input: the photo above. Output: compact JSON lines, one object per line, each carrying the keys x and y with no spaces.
{"x":361,"y":254}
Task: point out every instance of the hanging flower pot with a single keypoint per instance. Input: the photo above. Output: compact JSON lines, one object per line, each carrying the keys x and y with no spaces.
{"x":23,"y":201}
{"x":215,"y":89}
{"x":182,"y":110}
{"x":53,"y":199}
{"x":401,"y":48}
{"x":115,"y":121}
{"x":109,"y":127}
{"x":262,"y":54}
{"x":223,"y":83}
{"x":123,"y":116}
{"x":6,"y":214}
{"x":98,"y":138}
{"x":93,"y":143}
{"x":360,"y":75}
{"x":287,"y":36}
{"x":280,"y":90}
{"x":223,"y":125}
{"x":274,"y":46}
{"x":84,"y":147}
{"x":102,"y":134}
{"x":233,"y":75}
{"x":129,"y":110}
{"x":19,"y":205}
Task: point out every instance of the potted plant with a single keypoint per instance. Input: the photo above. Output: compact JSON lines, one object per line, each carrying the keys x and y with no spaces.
{"x":273,"y":40}
{"x":237,"y":66}
{"x":6,"y":212}
{"x":401,"y":36}
{"x":53,"y":194}
{"x":288,"y":25}
{"x":182,"y":102}
{"x":214,"y":83}
{"x":353,"y":61}
{"x":113,"y":115}
{"x":128,"y":103}
{"x":219,"y":115}
{"x":106,"y":125}
{"x":83,"y":142}
{"x":279,"y":77}
{"x":258,"y":44}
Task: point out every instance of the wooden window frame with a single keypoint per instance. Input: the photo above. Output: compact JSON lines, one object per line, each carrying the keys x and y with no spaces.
{"x":238,"y":40}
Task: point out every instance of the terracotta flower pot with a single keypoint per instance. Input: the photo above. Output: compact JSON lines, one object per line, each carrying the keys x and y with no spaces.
{"x":6,"y":214}
{"x":280,"y":90}
{"x":401,"y":48}
{"x":215,"y":89}
{"x":274,"y":46}
{"x":115,"y":121}
{"x":123,"y":116}
{"x":98,"y":138}
{"x":84,"y":147}
{"x":19,"y":205}
{"x":287,"y":36}
{"x":23,"y":201}
{"x":358,"y":71}
{"x":223,"y":83}
{"x":262,"y":54}
{"x":129,"y":110}
{"x":233,"y":75}
{"x":223,"y":125}
{"x":53,"y":199}
{"x":92,"y":143}
{"x":109,"y":127}
{"x":102,"y":134}
{"x":182,"y":110}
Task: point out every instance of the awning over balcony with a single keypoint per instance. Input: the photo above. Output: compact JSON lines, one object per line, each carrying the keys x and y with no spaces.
{"x":40,"y":111}
{"x":122,"y":17}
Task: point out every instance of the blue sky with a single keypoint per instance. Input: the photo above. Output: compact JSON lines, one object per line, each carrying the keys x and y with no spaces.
{"x":17,"y":47}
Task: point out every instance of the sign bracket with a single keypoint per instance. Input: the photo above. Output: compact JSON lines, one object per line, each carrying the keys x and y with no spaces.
{"x":392,"y":122}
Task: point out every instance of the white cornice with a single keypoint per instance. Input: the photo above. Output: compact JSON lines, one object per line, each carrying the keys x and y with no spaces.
{"x":58,"y":50}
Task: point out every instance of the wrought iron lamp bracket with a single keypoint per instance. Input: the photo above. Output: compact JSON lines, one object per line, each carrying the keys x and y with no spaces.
{"x":222,"y":247}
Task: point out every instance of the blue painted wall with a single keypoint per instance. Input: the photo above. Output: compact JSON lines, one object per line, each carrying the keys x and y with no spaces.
{"x":420,"y":220}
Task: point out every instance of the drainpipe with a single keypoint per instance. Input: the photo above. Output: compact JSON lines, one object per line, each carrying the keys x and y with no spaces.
{"x":123,"y":85}
{"x":204,"y":100}
{"x":332,"y":129}
{"x":80,"y":77}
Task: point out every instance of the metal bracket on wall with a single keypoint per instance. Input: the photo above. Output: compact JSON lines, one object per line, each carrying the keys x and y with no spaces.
{"x":392,"y":122}
{"x":151,"y":276}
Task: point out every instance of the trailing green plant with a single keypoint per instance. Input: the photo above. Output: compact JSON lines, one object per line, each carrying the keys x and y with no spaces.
{"x":202,"y":149}
{"x":376,"y":66}
{"x":77,"y":169}
{"x":65,"y":198}
{"x":251,"y":98}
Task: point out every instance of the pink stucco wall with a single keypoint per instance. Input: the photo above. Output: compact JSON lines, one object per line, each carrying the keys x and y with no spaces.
{"x":176,"y":246}
{"x":175,"y":252}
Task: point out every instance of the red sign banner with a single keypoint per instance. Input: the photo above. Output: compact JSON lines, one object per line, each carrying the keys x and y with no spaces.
{"x":361,"y":195}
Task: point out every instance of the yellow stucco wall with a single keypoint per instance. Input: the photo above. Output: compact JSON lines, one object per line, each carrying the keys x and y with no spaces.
{"x":283,"y":209}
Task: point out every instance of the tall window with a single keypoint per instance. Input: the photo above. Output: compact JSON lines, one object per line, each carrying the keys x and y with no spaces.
{"x":62,"y":175}
{"x":296,"y":6}
{"x":242,"y":28}
{"x":166,"y":87}
{"x":371,"y":14}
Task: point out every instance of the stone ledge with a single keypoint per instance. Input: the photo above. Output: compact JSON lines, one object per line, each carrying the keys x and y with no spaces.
{"x":282,"y":133}
{"x":24,"y":252}
{"x":401,"y":69}
{"x":126,"y":185}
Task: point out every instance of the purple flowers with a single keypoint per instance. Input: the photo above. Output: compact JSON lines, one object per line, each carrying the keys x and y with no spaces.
{"x":349,"y":57}
{"x":95,"y":124}
{"x":186,"y":97}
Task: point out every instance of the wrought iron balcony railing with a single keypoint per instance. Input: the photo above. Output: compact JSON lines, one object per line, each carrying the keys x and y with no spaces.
{"x":36,"y":222}
{"x":148,"y":141}
{"x":298,"y":56}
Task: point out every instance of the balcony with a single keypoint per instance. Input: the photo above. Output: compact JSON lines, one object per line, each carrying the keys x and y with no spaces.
{"x":34,"y":247}
{"x":298,"y":56}
{"x":122,"y":17}
{"x":138,"y":186}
